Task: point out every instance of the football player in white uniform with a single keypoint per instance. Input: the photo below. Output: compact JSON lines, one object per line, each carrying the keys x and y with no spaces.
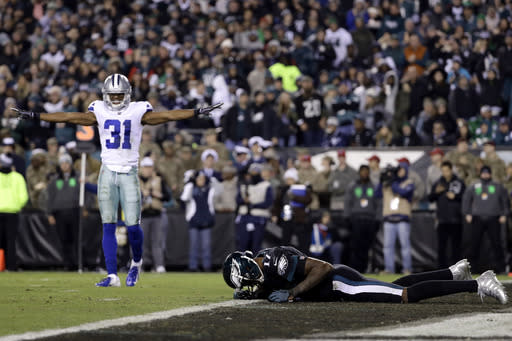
{"x":120,"y":124}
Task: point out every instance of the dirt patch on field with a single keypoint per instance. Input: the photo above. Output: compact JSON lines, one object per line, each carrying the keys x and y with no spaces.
{"x":289,"y":320}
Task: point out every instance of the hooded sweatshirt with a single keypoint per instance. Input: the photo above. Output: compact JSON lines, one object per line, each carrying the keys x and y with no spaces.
{"x":485,"y":198}
{"x":397,"y":198}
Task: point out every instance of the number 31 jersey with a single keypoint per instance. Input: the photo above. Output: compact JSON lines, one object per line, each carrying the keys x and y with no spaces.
{"x":120,"y":132}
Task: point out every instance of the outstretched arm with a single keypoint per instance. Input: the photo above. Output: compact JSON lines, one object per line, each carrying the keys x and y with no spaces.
{"x":153,"y":118}
{"x":85,"y":119}
{"x":81,"y":118}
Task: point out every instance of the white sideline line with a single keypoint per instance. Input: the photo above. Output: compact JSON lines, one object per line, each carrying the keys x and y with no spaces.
{"x":491,"y":325}
{"x":159,"y":315}
{"x":486,"y":325}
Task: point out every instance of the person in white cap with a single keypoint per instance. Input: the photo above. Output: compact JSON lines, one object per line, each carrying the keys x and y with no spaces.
{"x":254,"y":198}
{"x":256,"y":145}
{"x":198,"y":196}
{"x":209,"y":158}
{"x":37,"y":178}
{"x":242,"y":156}
{"x":63,"y":210}
{"x":290,"y":210}
{"x":334,"y":136}
{"x":9,"y":147}
{"x":154,"y":194}
{"x":120,"y":124}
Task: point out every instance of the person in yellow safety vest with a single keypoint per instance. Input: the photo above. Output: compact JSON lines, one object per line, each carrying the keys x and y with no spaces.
{"x":13,"y":196}
{"x":287,"y":72}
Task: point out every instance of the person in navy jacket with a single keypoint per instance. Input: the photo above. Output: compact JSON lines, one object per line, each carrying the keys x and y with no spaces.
{"x":200,"y":214}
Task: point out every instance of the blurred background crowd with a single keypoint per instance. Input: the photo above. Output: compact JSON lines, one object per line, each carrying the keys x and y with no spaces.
{"x":297,"y":73}
{"x":307,"y":73}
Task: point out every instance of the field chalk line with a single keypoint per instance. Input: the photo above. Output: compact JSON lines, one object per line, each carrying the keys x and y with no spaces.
{"x":159,"y":315}
{"x":486,"y":325}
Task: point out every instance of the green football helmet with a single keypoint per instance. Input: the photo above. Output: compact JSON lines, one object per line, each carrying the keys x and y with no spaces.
{"x":240,"y":270}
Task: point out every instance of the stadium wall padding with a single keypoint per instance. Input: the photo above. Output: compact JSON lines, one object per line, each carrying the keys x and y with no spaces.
{"x":39,"y":247}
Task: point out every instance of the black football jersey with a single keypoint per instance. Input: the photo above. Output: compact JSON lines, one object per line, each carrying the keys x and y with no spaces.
{"x":283,"y":267}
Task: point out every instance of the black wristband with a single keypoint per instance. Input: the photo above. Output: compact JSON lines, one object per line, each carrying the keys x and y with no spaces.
{"x":35,"y":115}
{"x":196,"y":112}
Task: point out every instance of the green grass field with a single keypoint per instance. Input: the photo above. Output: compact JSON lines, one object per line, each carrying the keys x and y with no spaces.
{"x":33,"y":301}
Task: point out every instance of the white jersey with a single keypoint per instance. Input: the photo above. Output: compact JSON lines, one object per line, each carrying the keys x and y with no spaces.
{"x":120,"y":133}
{"x":339,"y":40}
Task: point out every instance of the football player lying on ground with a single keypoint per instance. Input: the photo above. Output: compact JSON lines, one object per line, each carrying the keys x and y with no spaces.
{"x":284,"y":274}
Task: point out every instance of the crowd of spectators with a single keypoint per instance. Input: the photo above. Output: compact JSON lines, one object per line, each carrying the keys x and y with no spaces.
{"x":308,"y":73}
{"x":337,"y":74}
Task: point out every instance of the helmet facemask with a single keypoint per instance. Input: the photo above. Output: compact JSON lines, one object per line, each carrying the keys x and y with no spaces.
{"x":241,"y":271}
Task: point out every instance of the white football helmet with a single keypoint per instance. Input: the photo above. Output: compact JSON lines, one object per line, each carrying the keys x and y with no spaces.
{"x":116,"y":84}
